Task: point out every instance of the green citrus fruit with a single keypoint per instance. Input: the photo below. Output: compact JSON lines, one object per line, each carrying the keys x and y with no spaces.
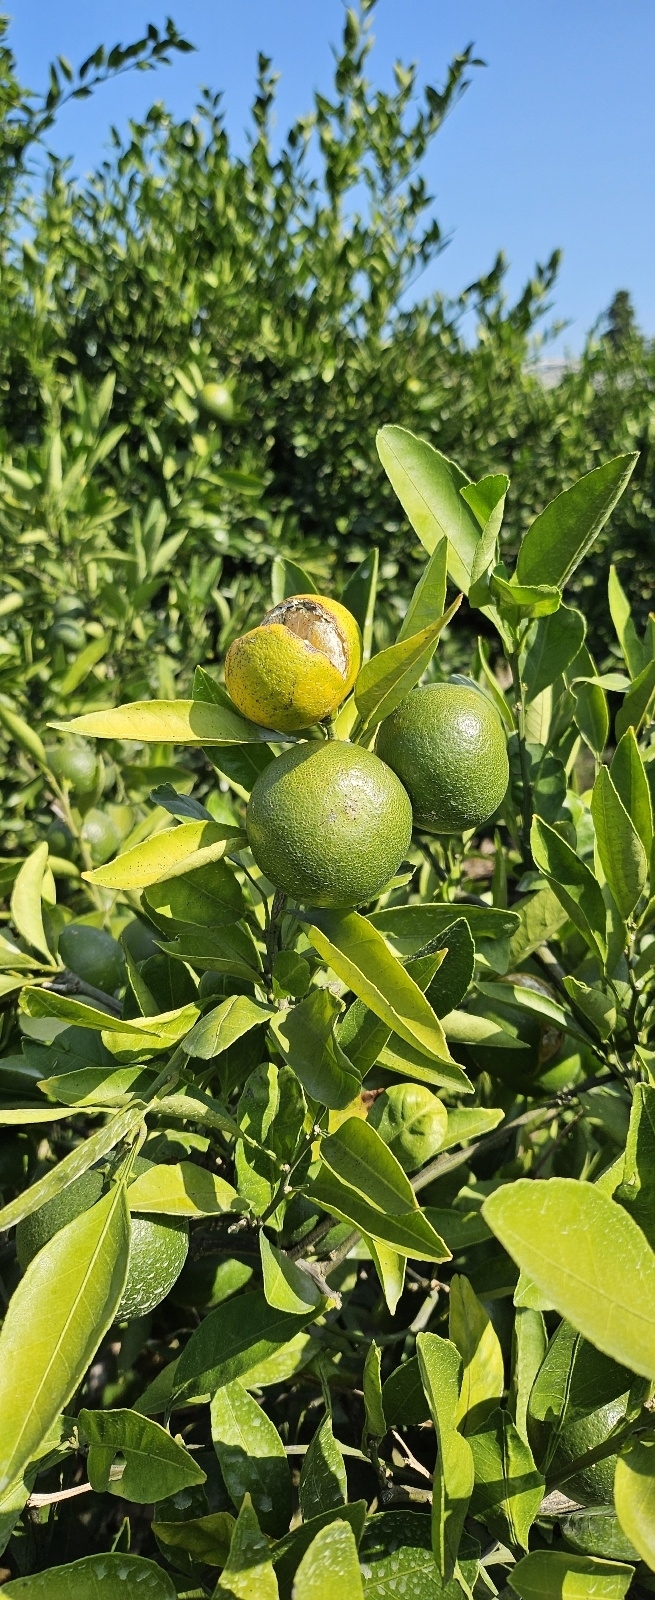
{"x":215,"y":398}
{"x":100,"y":835}
{"x":35,"y":1231}
{"x":446,"y":743}
{"x":140,"y":939}
{"x":77,"y":763}
{"x":67,"y":632}
{"x":60,"y":840}
{"x":93,"y":955}
{"x":329,"y":823}
{"x":297,"y":666}
{"x":412,"y":1121}
{"x":595,"y":1485}
{"x":158,"y":1246}
{"x":596,"y":1532}
{"x":158,"y":1251}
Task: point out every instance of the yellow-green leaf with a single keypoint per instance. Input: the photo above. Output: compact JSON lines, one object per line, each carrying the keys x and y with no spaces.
{"x":26,"y":911}
{"x":358,"y":954}
{"x":169,"y":854}
{"x":189,"y":722}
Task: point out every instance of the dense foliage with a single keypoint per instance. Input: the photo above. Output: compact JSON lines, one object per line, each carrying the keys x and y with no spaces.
{"x":412,"y":1143}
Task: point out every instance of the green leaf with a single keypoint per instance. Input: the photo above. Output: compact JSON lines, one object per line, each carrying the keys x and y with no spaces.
{"x":562,"y":535}
{"x":541,"y":917}
{"x":483,"y":1376}
{"x":288,"y":578}
{"x":621,"y":851}
{"x":451,"y":983}
{"x":271,"y":1111}
{"x":508,"y":1489}
{"x":72,"y":1166}
{"x":323,"y":1482}
{"x":141,"y":1033}
{"x":26,"y":910}
{"x":633,"y":650}
{"x":572,"y":882}
{"x":80,"y":668}
{"x":204,"y":897}
{"x":103,"y":1577}
{"x":588,"y":1257}
{"x":251,"y":1457}
{"x":556,"y":1575}
{"x":628,"y":775}
{"x":428,"y":487}
{"x":231,"y":951}
{"x":231,"y":1340}
{"x":598,"y":1007}
{"x":375,"y":1424}
{"x":182,"y":1190}
{"x":440,"y":1365}
{"x":305,"y":1036}
{"x":286,"y":1286}
{"x":529,"y":1342}
{"x":574,"y":1381}
{"x":409,"y":1233}
{"x":636,"y":1192}
{"x":396,"y":1559}
{"x":634,"y":1496}
{"x":188,"y":722}
{"x":465,"y":1124}
{"x":403,"y":1396}
{"x":637,"y":702}
{"x":359,"y":1158}
{"x":359,"y":598}
{"x":390,"y":1267}
{"x":23,"y":733}
{"x":288,"y":1552}
{"x":554,"y":644}
{"x":517,"y":601}
{"x":248,"y":1573}
{"x":165,"y":855}
{"x":225,"y":1023}
{"x":591,"y":715}
{"x":354,"y":949}
{"x":330,"y":1566}
{"x":55,"y":1321}
{"x":388,"y":677}
{"x":408,"y":928}
{"x":153,"y":1464}
{"x":206,"y":1539}
{"x":429,"y":597}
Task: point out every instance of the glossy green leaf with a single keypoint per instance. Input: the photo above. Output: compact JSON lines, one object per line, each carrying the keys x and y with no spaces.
{"x":636,"y":1191}
{"x":626,"y":633}
{"x":595,"y":1004}
{"x":248,"y":1573}
{"x":529,"y":1342}
{"x":26,"y":909}
{"x":323,"y":1483}
{"x":409,"y":928}
{"x":592,"y":715}
{"x":103,"y":1577}
{"x":375,"y":1424}
{"x":206,"y":1539}
{"x":429,"y":597}
{"x":628,"y":775}
{"x":409,"y":1232}
{"x":271,"y":1111}
{"x":574,"y":1380}
{"x":231,"y":1340}
{"x":286,"y":1286}
{"x":72,"y":1166}
{"x":556,"y":1575}
{"x":388,"y":677}
{"x":562,"y":535}
{"x":24,"y":735}
{"x":441,"y":1367}
{"x":359,"y":597}
{"x":55,"y":1321}
{"x":153,"y":1464}
{"x":182,"y":1190}
{"x":288,"y":578}
{"x":554,"y":644}
{"x":390,"y":1267}
{"x":588,"y":1256}
{"x":634,"y":1496}
{"x":330,"y":1567}
{"x":305,"y":1036}
{"x":167,"y":855}
{"x":205,"y":897}
{"x":231,"y":951}
{"x":637,"y":702}
{"x":452,"y":980}
{"x":357,"y":952}
{"x":474,"y":1336}
{"x":465,"y":1124}
{"x":517,"y":601}
{"x":621,"y":851}
{"x":226,"y":1022}
{"x":186,"y":722}
{"x":403,"y":1396}
{"x":573,"y":883}
{"x":357,"y":1155}
{"x":396,"y":1559}
{"x":508,"y":1489}
{"x":428,"y":487}
{"x":251,"y":1457}
{"x":287,"y":1553}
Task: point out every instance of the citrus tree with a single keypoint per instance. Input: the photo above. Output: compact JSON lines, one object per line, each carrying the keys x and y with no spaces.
{"x":328,"y":1100}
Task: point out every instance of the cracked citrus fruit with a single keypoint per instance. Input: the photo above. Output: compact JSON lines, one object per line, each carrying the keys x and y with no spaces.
{"x":329,"y":823}
{"x":447,"y":744}
{"x":297,"y":666}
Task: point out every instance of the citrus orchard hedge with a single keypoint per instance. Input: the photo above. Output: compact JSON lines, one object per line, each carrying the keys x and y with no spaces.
{"x":328,"y":1215}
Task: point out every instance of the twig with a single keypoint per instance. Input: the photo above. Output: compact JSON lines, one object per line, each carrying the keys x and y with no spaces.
{"x":61,"y":1494}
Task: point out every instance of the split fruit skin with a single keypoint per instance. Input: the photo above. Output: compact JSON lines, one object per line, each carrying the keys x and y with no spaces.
{"x":329,"y":824}
{"x":447,"y":745}
{"x":297,"y":666}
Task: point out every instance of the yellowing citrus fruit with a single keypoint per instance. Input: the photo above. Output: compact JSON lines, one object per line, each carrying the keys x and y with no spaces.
{"x":447,"y":745}
{"x":297,"y":666}
{"x":329,"y":823}
{"x":216,"y":399}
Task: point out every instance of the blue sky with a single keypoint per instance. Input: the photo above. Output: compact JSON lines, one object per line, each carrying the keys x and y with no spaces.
{"x":552,"y":144}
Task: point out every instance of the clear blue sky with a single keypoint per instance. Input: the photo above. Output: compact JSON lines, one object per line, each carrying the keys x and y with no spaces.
{"x":552,"y":145}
